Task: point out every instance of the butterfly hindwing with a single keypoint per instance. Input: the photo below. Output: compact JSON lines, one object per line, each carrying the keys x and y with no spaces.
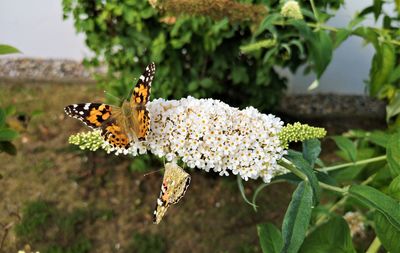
{"x":175,"y":183}
{"x":143,"y":118}
{"x":115,"y":135}
{"x":92,"y":114}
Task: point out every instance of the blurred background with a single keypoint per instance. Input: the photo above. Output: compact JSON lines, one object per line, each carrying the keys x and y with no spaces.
{"x":58,"y":198}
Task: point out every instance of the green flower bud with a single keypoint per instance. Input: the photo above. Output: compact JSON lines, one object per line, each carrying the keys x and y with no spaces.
{"x":89,"y":140}
{"x":291,"y":9}
{"x":299,"y":132}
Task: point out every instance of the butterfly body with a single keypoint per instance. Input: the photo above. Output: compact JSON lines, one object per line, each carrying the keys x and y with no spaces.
{"x":123,"y":125}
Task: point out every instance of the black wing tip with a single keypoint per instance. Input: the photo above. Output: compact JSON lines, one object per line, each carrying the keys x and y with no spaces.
{"x":151,"y":67}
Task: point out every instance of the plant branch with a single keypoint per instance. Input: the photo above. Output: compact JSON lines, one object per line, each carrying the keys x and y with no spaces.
{"x":374,"y":247}
{"x":286,"y":164}
{"x":344,"y":165}
{"x":314,"y":10}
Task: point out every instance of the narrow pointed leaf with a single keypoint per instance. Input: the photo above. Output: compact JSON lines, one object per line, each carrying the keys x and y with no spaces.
{"x":297,"y":218}
{"x":373,"y":198}
{"x":270,"y":238}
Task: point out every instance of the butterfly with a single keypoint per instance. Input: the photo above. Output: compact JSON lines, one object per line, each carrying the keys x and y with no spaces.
{"x":120,"y":126}
{"x":175,"y":183}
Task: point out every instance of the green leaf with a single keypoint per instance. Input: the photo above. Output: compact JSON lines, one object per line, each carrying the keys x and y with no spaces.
{"x":332,"y":236}
{"x":383,"y":64}
{"x":8,"y":147}
{"x":7,"y":134}
{"x":270,"y":238}
{"x":311,"y":150}
{"x":347,"y":146}
{"x":394,"y":188}
{"x":351,"y":172}
{"x":379,"y":201}
{"x":387,"y":233}
{"x":322,"y":50}
{"x":297,"y":159}
{"x":2,"y":117}
{"x":341,"y":35}
{"x":393,"y":153}
{"x":6,"y":49}
{"x":393,"y":108}
{"x":319,"y":45}
{"x":379,"y":138}
{"x":297,"y":218}
{"x":268,"y":24}
{"x":241,"y":189}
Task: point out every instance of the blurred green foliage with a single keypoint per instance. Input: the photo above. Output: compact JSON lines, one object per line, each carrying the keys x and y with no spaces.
{"x":7,"y":134}
{"x":197,"y":56}
{"x":147,"y":243}
{"x":53,"y":230}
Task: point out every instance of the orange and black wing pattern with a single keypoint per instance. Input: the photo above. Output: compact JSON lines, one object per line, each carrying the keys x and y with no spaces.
{"x":92,"y":114}
{"x":140,"y":97}
{"x":141,"y":92}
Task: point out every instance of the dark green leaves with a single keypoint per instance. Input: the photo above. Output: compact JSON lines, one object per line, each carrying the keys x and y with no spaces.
{"x":393,"y":153}
{"x":301,"y":164}
{"x":319,"y":44}
{"x":394,"y":188}
{"x":332,"y":236}
{"x":2,"y":117}
{"x":270,"y":238}
{"x":383,"y":64}
{"x":297,"y":218}
{"x":387,"y":233}
{"x":7,"y":134}
{"x":379,"y":201}
{"x":347,"y":146}
{"x":311,"y":150}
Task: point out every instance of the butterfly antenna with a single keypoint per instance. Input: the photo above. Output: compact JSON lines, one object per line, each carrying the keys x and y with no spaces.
{"x":113,"y":96}
{"x":152,"y":172}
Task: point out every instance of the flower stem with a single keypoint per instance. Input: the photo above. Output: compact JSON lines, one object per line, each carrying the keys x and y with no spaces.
{"x":342,"y":201}
{"x":300,"y":174}
{"x":375,"y":245}
{"x":293,"y":169}
{"x":342,"y":191}
{"x":315,"y":11}
{"x":344,"y":165}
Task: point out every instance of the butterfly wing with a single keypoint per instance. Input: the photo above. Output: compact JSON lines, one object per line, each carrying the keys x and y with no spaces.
{"x":140,"y":97}
{"x":142,"y":89}
{"x":92,"y":114}
{"x":101,"y":116}
{"x":175,"y":183}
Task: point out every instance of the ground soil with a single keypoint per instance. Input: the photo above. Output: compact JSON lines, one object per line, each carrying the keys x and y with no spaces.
{"x":212,"y":217}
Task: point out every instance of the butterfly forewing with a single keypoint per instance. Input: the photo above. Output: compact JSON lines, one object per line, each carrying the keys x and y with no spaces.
{"x":141,"y":92}
{"x":92,"y":114}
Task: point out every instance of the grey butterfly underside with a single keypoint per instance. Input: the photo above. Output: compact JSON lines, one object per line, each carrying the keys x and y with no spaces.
{"x":175,"y":183}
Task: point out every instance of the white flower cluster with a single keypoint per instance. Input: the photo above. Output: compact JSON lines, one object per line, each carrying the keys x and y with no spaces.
{"x":210,"y":135}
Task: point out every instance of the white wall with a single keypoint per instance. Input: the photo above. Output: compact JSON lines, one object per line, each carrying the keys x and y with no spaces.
{"x":36,"y":28}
